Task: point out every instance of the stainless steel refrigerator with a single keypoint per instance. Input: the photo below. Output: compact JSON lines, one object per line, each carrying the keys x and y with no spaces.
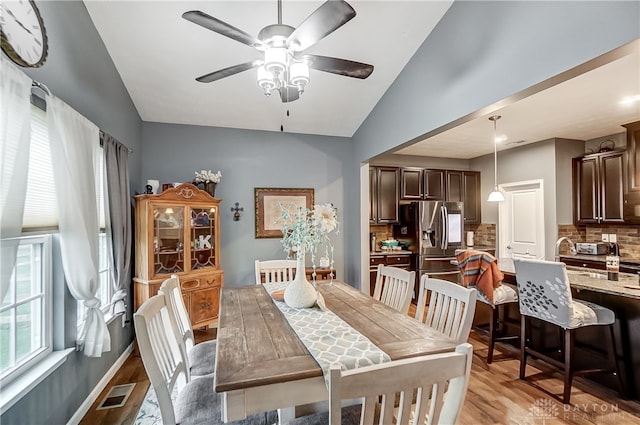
{"x":434,"y":230}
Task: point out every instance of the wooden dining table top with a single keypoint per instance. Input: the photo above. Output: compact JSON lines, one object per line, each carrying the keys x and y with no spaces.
{"x":256,"y":345}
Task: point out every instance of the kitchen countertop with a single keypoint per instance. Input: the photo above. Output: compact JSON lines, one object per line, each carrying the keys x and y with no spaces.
{"x":599,"y":258}
{"x":580,"y":278}
{"x":390,"y":252}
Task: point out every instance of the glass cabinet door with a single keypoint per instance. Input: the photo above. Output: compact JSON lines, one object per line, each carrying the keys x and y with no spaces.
{"x":203,"y":236}
{"x":168,"y":239}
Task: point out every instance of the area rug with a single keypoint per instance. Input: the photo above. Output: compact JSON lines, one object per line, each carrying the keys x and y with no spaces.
{"x":149,"y":413}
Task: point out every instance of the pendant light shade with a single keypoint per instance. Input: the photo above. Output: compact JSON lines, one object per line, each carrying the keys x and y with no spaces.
{"x":496,"y":195}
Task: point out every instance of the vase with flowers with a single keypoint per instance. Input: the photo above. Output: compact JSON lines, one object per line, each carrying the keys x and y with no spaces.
{"x":306,"y":231}
{"x":208,"y":179}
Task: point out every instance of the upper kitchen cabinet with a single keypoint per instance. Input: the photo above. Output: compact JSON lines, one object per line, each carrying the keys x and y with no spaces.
{"x":443,"y":185}
{"x":384,"y":193}
{"x":632,"y":183}
{"x":598,"y":188}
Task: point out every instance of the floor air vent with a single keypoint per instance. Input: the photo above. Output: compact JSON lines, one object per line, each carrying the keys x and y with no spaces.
{"x":116,"y":397}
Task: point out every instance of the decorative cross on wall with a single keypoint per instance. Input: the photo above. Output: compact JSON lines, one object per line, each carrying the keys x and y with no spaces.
{"x":236,"y":211}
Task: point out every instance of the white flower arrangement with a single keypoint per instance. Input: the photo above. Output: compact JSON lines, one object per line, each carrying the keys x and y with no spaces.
{"x":310,"y":229}
{"x":206,"y":176}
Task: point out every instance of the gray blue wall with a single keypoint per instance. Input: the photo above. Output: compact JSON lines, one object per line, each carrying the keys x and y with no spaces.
{"x":79,"y":71}
{"x":250,"y":159}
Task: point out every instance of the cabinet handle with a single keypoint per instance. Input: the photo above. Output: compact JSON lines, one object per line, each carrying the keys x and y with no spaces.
{"x":205,"y":306}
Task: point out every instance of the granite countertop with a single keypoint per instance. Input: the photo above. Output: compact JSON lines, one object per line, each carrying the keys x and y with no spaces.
{"x":627,"y":285}
{"x":600,"y":258}
{"x":390,"y":252}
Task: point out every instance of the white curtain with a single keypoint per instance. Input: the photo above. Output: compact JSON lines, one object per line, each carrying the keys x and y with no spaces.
{"x":74,"y":144}
{"x":15,"y":140}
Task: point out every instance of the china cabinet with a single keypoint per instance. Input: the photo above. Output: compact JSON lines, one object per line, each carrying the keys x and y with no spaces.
{"x":178,"y":232}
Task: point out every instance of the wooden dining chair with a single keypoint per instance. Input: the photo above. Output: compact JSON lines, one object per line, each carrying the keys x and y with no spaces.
{"x":268,"y":271}
{"x":439,"y":383}
{"x":201,"y":358}
{"x":544,"y":293}
{"x":394,"y":287}
{"x":196,"y":401}
{"x":446,"y":307}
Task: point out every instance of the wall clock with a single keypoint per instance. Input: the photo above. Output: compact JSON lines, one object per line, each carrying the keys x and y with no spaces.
{"x":22,"y":33}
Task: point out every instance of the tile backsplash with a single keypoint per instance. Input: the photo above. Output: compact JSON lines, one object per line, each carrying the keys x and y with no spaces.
{"x":628,"y":237}
{"x":484,"y":234}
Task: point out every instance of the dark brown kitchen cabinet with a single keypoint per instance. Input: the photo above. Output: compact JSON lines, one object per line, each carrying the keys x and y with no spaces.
{"x":598,"y":188}
{"x":434,"y":188}
{"x":631,"y":211}
{"x":384,"y":184}
{"x":471,"y":197}
{"x":401,"y":261}
{"x":444,"y":185}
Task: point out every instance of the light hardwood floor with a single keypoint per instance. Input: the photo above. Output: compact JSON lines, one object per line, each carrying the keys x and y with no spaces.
{"x":495,"y":396}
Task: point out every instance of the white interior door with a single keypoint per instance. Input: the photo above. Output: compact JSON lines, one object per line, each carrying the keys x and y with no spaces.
{"x":521,"y":220}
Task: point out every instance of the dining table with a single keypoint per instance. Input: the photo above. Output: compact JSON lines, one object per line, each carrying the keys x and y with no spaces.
{"x":262,"y":364}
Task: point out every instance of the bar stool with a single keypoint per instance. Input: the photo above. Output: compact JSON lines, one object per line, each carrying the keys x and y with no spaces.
{"x":479,"y":269}
{"x":544,"y":293}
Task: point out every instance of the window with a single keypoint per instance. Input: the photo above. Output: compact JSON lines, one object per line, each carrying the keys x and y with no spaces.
{"x":25,"y":311}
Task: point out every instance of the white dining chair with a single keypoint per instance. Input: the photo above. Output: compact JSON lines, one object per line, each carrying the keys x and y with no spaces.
{"x":201,"y":358}
{"x":438,"y":381}
{"x":196,"y":401}
{"x":268,"y":271}
{"x":394,"y":287}
{"x":544,"y":293}
{"x":446,"y":307}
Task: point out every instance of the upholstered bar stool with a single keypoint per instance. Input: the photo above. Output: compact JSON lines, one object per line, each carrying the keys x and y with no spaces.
{"x":544,"y":294}
{"x":479,"y":269}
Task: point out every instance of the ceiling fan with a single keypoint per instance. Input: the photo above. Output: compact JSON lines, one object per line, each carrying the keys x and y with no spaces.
{"x":285,"y":66}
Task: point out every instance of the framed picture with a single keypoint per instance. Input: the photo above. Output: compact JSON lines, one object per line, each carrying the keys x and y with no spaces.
{"x":268,"y":208}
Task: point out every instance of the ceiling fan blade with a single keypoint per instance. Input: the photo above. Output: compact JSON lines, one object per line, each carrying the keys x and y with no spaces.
{"x":227,"y":72}
{"x":289,"y":94}
{"x":216,"y":25}
{"x":322,"y":22}
{"x":340,"y":66}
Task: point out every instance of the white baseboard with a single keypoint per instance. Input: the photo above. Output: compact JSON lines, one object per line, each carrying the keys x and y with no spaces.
{"x":93,"y":396}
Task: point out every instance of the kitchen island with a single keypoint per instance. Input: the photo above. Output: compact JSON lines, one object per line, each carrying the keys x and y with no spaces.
{"x":623,"y":298}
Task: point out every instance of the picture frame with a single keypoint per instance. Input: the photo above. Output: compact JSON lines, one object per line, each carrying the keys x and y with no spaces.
{"x":267,"y":208}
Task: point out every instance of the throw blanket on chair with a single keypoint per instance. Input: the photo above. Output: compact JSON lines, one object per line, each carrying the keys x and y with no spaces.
{"x":479,"y":269}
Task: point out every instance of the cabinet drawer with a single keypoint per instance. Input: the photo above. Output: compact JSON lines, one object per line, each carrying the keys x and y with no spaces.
{"x":212,"y":280}
{"x":189,"y":283}
{"x":577,"y":262}
{"x":374,"y":261}
{"x":204,"y":305}
{"x":393,"y":260}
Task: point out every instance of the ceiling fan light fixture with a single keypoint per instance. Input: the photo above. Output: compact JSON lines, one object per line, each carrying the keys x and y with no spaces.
{"x":275,"y":60}
{"x":299,"y":74}
{"x":265,"y":80}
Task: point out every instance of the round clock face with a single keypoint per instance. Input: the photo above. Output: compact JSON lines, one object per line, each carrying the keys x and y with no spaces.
{"x":22,"y":33}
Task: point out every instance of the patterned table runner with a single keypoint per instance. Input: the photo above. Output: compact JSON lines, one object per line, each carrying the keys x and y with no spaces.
{"x":328,"y":338}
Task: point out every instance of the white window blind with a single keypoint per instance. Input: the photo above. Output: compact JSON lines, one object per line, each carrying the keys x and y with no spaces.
{"x":40,"y":207}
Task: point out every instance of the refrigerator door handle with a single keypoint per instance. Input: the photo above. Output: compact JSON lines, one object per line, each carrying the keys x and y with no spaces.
{"x":445,"y":228}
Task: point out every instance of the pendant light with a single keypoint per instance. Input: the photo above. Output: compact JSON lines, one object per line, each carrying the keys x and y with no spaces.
{"x":496,"y":195}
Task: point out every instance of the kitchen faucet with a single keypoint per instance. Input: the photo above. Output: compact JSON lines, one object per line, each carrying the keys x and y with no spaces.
{"x":572,"y":247}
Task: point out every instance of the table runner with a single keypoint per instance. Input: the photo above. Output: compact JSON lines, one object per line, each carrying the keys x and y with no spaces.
{"x":328,"y":338}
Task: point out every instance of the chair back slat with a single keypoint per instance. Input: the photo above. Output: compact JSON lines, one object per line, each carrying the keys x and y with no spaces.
{"x":440,"y":382}
{"x":449,"y":307}
{"x":161,"y":355}
{"x":274,"y":271}
{"x":394,"y":287}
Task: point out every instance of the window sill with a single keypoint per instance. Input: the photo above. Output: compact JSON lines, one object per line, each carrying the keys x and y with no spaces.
{"x":18,"y":388}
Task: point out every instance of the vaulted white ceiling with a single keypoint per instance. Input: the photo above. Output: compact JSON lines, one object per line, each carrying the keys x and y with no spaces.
{"x":159,"y":54}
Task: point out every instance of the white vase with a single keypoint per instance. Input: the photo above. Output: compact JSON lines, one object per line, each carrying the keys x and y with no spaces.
{"x":299,"y":293}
